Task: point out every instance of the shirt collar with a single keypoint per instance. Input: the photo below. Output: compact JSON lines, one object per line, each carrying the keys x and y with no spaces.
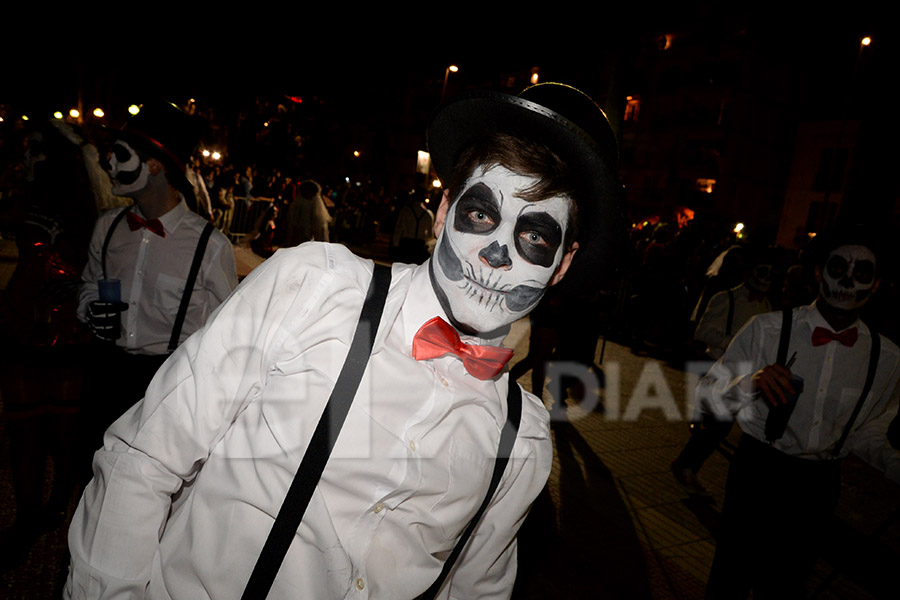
{"x":172,"y":218}
{"x":422,"y":305}
{"x":815,"y":319}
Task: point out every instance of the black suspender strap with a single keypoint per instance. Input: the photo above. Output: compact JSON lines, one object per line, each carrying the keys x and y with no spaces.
{"x":507,"y":440}
{"x":785,"y":339}
{"x":322,"y":442}
{"x":730,"y":313}
{"x":189,"y":286}
{"x":870,"y":378}
{"x":109,"y":232}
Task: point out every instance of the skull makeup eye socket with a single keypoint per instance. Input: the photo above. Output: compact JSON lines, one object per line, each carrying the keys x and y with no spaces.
{"x":762,"y":272}
{"x":864,"y":272}
{"x":538,"y":237}
{"x":474,"y":215}
{"x":121,"y":152}
{"x":837,"y":266}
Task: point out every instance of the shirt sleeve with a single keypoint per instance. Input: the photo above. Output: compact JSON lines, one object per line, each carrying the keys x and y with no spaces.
{"x":221,"y":275}
{"x":162,"y":442}
{"x":486,"y":569}
{"x":93,"y":269}
{"x":870,"y":441}
{"x":719,"y":390}
{"x":711,"y":327}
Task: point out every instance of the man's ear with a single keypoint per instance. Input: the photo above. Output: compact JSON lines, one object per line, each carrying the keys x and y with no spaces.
{"x":564,"y":264}
{"x":441,"y":214}
{"x":155,"y":166}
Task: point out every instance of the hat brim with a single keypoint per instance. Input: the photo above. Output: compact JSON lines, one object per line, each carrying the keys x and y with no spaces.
{"x":462,"y":121}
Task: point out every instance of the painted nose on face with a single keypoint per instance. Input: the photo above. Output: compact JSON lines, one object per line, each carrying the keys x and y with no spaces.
{"x":496,"y":256}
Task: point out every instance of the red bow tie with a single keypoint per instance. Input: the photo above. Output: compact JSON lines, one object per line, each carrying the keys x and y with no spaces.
{"x":436,"y":338}
{"x":822,"y":336}
{"x":135,"y":222}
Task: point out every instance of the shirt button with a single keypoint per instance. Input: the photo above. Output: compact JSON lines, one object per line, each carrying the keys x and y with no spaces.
{"x":360,"y":584}
{"x":412,"y":445}
{"x":444,"y":381}
{"x":379,"y":507}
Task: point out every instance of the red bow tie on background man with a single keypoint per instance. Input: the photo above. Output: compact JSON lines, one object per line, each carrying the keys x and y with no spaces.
{"x":436,"y":338}
{"x":135,"y":222}
{"x":822,"y":336}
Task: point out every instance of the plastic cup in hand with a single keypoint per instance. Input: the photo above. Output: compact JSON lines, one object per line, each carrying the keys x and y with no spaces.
{"x":110,"y":290}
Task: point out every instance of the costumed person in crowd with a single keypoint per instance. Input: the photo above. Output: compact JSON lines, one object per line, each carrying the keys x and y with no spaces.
{"x":420,"y":416}
{"x":169,"y":268}
{"x":223,"y":212}
{"x":198,"y":186}
{"x":413,"y":238}
{"x":726,"y":271}
{"x":307,"y":217}
{"x":725,"y":314}
{"x":261,"y":239}
{"x":43,"y":341}
{"x":808,"y":386}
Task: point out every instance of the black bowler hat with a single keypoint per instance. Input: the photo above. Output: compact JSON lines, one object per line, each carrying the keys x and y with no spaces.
{"x":166,"y":133}
{"x":568,"y":122}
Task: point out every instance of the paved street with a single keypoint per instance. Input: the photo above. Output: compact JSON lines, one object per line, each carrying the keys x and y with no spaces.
{"x":613,"y":523}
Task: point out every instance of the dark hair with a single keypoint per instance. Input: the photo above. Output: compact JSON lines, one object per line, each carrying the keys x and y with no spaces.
{"x":524,"y":157}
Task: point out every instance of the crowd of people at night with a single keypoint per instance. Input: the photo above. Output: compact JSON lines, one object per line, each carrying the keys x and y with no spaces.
{"x":684,"y":290}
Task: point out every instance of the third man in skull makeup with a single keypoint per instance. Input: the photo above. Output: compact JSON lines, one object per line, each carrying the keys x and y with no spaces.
{"x":808,"y":386}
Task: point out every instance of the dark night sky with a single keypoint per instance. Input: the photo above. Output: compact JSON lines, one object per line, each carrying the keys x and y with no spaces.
{"x":360,"y":62}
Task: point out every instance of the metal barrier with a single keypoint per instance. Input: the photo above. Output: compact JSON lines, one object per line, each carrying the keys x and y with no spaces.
{"x":242,"y":218}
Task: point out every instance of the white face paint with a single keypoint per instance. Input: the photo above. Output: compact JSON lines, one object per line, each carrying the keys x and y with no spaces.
{"x":848,"y":277}
{"x":128,"y":172}
{"x":497,"y":252}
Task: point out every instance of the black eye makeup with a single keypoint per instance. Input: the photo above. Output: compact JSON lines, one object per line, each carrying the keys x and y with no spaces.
{"x":837,"y":267}
{"x":122,"y":153}
{"x":864,"y":271}
{"x":538,"y":237}
{"x":477,"y":210}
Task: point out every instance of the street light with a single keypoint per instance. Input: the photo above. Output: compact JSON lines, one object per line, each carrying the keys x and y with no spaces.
{"x":451,"y":68}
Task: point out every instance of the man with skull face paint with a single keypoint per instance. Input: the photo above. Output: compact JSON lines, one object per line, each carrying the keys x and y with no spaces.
{"x":783,"y":488}
{"x":148,"y":247}
{"x":233,"y":411}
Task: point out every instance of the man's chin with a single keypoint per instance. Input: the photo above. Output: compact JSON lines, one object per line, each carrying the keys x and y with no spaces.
{"x":485,"y":329}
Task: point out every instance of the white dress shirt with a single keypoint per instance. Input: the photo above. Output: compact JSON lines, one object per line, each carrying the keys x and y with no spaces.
{"x":833,"y":376}
{"x":227,"y":419}
{"x":712,"y":329}
{"x":153,"y":271}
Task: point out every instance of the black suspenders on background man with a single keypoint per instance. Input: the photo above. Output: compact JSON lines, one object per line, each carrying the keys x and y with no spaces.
{"x":189,"y":284}
{"x":874,"y":354}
